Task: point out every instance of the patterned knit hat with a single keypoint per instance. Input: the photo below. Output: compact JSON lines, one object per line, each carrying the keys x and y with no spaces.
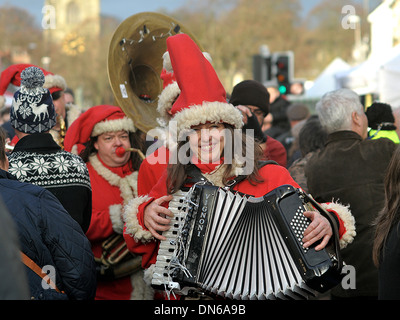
{"x":202,"y":98}
{"x":32,"y":109}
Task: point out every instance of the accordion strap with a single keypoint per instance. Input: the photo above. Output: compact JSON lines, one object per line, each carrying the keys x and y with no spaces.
{"x":333,"y":223}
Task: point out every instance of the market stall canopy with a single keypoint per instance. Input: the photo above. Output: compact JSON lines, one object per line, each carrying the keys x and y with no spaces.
{"x":326,"y":81}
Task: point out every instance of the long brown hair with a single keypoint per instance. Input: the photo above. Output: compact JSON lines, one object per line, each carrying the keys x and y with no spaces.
{"x":389,"y":216}
{"x":177,"y":172}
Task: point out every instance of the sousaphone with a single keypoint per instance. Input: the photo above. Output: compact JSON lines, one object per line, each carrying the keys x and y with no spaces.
{"x":135,"y":64}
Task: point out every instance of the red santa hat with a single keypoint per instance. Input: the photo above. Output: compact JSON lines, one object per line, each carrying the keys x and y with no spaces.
{"x":202,"y":98}
{"x":94,"y":122}
{"x":12,"y":75}
{"x":54,"y":82}
{"x":170,"y":88}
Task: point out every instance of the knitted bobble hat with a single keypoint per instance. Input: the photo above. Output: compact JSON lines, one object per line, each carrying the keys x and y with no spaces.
{"x":32,"y":109}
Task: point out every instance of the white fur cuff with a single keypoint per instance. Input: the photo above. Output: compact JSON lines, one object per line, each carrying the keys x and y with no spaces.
{"x":116,"y":218}
{"x":345,"y":215}
{"x":132,"y":225}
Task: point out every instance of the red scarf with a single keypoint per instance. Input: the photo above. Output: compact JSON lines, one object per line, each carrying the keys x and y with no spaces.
{"x":206,"y":167}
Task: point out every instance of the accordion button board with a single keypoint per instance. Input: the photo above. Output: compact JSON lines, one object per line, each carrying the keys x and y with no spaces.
{"x":241,"y":247}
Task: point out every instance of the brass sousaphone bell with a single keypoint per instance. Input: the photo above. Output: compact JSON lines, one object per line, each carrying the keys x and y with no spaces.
{"x":135,"y":64}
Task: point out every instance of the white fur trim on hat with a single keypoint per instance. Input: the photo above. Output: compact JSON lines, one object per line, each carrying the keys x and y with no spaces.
{"x":166,"y":99}
{"x":113,"y":125}
{"x":132,"y":226}
{"x":53,"y":81}
{"x":213,"y":112}
{"x":167,"y":62}
{"x":345,"y":215}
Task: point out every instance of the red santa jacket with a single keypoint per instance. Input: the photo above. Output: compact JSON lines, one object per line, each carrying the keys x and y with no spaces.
{"x":274,"y":150}
{"x":151,"y":170}
{"x":140,"y":240}
{"x":112,"y":188}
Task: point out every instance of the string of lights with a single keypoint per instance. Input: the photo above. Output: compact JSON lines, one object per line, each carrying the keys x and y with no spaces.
{"x":145,"y":32}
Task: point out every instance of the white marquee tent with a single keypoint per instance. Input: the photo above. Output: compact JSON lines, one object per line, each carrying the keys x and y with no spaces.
{"x":326,"y":81}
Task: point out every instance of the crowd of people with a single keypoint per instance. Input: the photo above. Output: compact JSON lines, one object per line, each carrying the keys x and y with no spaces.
{"x":86,"y":210}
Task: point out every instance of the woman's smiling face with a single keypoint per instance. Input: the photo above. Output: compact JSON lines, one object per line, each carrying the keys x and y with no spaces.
{"x":207,"y":141}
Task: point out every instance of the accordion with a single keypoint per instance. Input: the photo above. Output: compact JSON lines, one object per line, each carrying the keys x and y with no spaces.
{"x":242,"y":247}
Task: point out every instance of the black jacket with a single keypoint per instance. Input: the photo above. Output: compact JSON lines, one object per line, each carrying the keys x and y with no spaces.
{"x":39,"y":160}
{"x":351,"y":170}
{"x":51,"y":238}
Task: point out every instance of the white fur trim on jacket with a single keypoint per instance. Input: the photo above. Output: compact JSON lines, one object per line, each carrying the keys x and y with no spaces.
{"x":132,"y":226}
{"x":73,"y":112}
{"x":115,"y":211}
{"x":148,"y":274}
{"x":113,"y":125}
{"x":214,"y":112}
{"x":345,"y":215}
{"x":127,"y":184}
{"x":141,"y":289}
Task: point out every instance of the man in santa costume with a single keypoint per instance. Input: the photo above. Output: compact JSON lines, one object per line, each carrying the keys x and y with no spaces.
{"x":95,"y":136}
{"x":202,"y":105}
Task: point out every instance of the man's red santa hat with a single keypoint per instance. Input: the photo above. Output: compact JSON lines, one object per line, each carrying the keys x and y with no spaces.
{"x":94,"y":122}
{"x":12,"y":75}
{"x":202,"y":98}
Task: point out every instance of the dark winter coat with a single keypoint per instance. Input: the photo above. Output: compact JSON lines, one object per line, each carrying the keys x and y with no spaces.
{"x":351,"y":170}
{"x":52,"y":238}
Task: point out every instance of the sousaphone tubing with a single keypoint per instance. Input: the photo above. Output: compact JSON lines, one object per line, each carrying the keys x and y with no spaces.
{"x":135,"y":64}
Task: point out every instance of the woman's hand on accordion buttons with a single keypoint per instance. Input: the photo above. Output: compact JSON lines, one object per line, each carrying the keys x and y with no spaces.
{"x":155,"y":217}
{"x":319,"y":229}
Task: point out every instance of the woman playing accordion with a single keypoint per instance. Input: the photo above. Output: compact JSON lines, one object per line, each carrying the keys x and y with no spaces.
{"x":209,"y":135}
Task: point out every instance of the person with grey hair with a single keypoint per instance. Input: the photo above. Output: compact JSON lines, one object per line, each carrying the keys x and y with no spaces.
{"x":350,"y":169}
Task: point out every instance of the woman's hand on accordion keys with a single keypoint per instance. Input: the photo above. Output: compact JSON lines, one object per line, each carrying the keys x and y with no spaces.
{"x":155,"y":217}
{"x":319,"y":229}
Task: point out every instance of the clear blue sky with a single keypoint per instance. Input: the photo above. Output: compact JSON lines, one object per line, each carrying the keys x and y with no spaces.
{"x":121,"y":9}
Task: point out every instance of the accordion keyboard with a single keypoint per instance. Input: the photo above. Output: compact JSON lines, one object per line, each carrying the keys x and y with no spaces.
{"x":299,"y":224}
{"x":177,"y":205}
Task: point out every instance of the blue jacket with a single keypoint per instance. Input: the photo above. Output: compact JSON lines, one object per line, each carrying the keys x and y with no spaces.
{"x":52,"y":238}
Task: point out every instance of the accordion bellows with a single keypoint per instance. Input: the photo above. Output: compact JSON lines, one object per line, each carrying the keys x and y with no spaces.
{"x":241,"y":247}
